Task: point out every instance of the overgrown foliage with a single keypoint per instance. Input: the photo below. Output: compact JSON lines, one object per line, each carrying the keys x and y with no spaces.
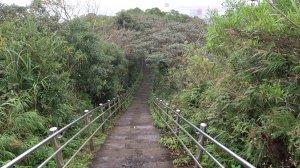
{"x":245,"y":82}
{"x":102,"y":72}
{"x":49,"y":73}
{"x":160,"y":37}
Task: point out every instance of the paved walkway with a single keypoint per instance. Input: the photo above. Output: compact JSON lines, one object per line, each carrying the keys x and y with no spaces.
{"x":133,"y":142}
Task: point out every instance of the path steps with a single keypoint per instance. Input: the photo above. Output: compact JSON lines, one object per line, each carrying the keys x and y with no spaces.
{"x":133,"y":142}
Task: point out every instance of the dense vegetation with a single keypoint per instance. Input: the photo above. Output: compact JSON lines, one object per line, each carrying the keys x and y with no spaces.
{"x":50,"y":71}
{"x":244,"y":82}
{"x":239,"y":73}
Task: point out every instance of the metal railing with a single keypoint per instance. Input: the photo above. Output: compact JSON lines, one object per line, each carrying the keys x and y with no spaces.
{"x":101,"y":115}
{"x":176,"y":123}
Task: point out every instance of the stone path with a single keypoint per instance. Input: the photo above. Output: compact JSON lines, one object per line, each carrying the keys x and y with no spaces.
{"x":133,"y":142}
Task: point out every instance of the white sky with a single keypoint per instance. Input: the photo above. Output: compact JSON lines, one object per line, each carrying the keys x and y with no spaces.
{"x":110,"y":7}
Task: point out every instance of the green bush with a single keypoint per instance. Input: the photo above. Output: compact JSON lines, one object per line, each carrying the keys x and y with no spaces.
{"x":244,"y":83}
{"x":50,"y":72}
{"x":102,"y":73}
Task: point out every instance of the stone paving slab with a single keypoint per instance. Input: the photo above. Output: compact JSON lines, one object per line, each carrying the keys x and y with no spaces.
{"x":133,"y":142}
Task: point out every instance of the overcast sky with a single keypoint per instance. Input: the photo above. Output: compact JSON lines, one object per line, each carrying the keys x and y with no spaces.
{"x":110,"y":7}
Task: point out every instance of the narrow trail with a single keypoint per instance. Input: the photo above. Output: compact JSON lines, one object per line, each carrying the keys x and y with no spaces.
{"x":133,"y":142}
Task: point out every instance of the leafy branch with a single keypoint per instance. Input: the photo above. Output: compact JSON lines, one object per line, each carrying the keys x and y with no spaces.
{"x":286,"y":17}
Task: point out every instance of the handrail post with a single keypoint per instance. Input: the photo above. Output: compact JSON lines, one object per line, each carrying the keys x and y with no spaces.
{"x":56,"y":145}
{"x":167,"y":111}
{"x":177,"y":122}
{"x":102,"y":117}
{"x":123,"y":102}
{"x":109,"y":108}
{"x":156,"y":106}
{"x":160,"y":107}
{"x":87,"y":121}
{"x":201,"y":142}
{"x":118,"y":104}
{"x":127,"y":97}
{"x":153,"y":103}
{"x":115,"y":106}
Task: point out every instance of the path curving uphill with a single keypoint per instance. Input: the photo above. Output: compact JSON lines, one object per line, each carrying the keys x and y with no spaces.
{"x":133,"y":142}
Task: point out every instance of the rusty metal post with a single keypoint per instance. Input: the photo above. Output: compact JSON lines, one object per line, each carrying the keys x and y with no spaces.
{"x":177,"y":122}
{"x":89,"y":129}
{"x":201,"y":139}
{"x":56,"y":145}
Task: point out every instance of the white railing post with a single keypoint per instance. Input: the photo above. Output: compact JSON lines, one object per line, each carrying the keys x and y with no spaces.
{"x":177,"y":122}
{"x":89,"y":130}
{"x":56,"y":145}
{"x":115,"y":106}
{"x":201,"y":142}
{"x":102,"y":118}
{"x":109,"y":107}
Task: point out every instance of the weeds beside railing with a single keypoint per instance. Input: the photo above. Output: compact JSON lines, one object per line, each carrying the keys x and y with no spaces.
{"x":174,"y":122}
{"x":100,"y":115}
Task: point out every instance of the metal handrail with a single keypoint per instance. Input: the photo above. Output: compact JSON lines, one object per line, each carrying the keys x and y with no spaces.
{"x":190,"y":136}
{"x":165,"y":108}
{"x":113,"y":107}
